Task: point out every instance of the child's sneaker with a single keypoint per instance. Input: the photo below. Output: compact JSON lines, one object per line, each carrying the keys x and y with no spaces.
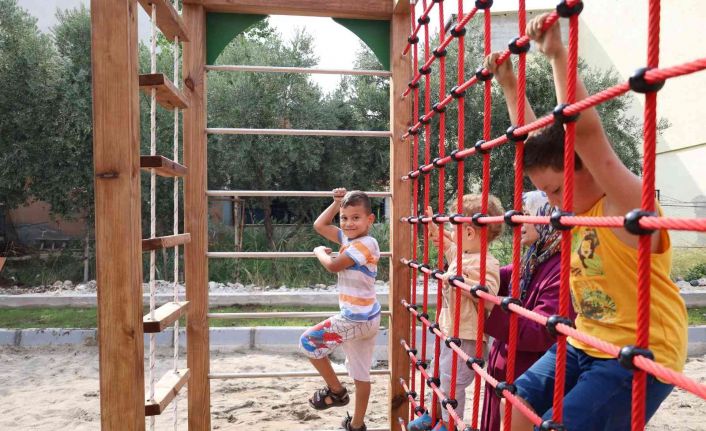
{"x":440,"y":426}
{"x":422,"y":423}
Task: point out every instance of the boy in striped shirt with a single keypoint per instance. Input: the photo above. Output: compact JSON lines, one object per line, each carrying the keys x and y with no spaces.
{"x":356,"y":326}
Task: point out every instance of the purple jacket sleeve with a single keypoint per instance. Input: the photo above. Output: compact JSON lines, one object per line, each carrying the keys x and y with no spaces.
{"x":543,"y":298}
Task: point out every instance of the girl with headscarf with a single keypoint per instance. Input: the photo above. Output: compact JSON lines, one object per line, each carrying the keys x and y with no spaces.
{"x":539,"y":292}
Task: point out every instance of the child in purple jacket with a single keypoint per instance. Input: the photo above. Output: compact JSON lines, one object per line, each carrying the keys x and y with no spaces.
{"x":539,"y":292}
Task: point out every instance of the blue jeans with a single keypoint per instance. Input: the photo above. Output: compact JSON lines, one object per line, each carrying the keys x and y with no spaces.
{"x":597,"y":391}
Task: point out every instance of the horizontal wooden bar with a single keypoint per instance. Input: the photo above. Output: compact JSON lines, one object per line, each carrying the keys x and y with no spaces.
{"x":168,"y":96}
{"x":304,"y":70}
{"x":163,"y":166}
{"x":169,"y":241}
{"x":225,"y":376}
{"x":269,"y":254}
{"x":166,"y":389}
{"x":358,"y":9}
{"x":299,"y":132}
{"x":164,"y":317}
{"x":286,"y":193}
{"x":168,"y":20}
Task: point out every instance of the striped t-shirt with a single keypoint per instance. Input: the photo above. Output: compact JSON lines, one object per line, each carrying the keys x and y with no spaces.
{"x":356,"y":284}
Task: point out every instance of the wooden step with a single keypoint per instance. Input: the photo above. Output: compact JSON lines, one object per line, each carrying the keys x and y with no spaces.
{"x":159,"y":242}
{"x":164,"y":317}
{"x":165,"y":390}
{"x":168,"y":20}
{"x":168,"y":96}
{"x":163,"y":166}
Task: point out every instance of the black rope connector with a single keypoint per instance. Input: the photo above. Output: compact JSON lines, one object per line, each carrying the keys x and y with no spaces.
{"x":514,"y":48}
{"x":468,"y":428}
{"x":412,"y":131}
{"x":413,"y":220}
{"x":632,"y":222}
{"x":627,"y":355}
{"x":455,"y":93}
{"x":413,"y":85}
{"x":505,"y":386}
{"x":508,"y":218}
{"x":480,"y":76}
{"x":424,"y":120}
{"x":478,"y":147}
{"x":433,"y":380}
{"x":411,"y":394}
{"x":561,"y":117}
{"x":510,"y":133}
{"x":454,"y":155}
{"x":413,"y":39}
{"x":424,"y":266}
{"x":436,"y":272}
{"x":473,"y":360}
{"x":411,"y":307}
{"x":566,"y":11}
{"x":437,"y":1}
{"x":449,"y":402}
{"x":421,"y":171}
{"x":458,"y":278}
{"x":420,"y":409}
{"x":550,"y":425}
{"x":425,"y":70}
{"x":422,"y":315}
{"x":555,"y":220}
{"x":453,"y":218}
{"x":554,"y":320}
{"x":421,"y":364}
{"x":412,"y":351}
{"x":506,"y":301}
{"x":435,"y":218}
{"x":424,"y":19}
{"x":483,"y":4}
{"x":638,"y":83}
{"x":455,"y":340}
{"x":437,"y":162}
{"x":478,"y":288}
{"x":456,"y":32}
{"x":475,"y":218}
{"x":438,"y":108}
{"x":433,"y":326}
{"x":439,"y":53}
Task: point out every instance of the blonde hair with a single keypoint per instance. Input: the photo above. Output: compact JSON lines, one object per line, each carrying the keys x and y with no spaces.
{"x":472,"y":204}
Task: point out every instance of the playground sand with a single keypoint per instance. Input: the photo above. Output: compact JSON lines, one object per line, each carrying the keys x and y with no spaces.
{"x":52,"y":388}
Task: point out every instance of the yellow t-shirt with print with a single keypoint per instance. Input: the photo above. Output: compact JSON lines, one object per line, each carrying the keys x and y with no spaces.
{"x":604,"y":294}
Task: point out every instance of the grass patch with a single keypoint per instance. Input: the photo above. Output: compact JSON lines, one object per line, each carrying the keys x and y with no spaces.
{"x":684,"y":261}
{"x":697,"y":316}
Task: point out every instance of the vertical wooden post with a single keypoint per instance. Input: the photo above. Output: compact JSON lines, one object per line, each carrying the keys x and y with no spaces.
{"x":116,"y":159}
{"x":196,"y":218}
{"x":400,"y":164}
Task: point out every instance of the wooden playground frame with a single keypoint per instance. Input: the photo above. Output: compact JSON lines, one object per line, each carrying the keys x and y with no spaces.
{"x":117,"y":163}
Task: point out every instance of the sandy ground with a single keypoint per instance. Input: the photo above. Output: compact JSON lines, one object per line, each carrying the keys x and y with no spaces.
{"x":61,"y":386}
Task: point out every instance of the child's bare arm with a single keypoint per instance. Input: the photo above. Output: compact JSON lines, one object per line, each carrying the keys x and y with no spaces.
{"x":434,"y":233}
{"x":505,"y":77}
{"x":622,"y":187}
{"x":332,"y":264}
{"x":324,"y":223}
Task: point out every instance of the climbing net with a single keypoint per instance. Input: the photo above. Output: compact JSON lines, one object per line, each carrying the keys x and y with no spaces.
{"x":643,"y":221}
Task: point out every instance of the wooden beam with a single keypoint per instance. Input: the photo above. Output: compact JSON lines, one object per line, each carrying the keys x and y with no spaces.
{"x":169,"y":241}
{"x":116,"y":161}
{"x":2,"y":263}
{"x":400,"y":233}
{"x":168,"y":20}
{"x":400,"y":6}
{"x":162,"y":166}
{"x":166,"y":389}
{"x":164,"y":316}
{"x":357,"y":9}
{"x":168,"y":96}
{"x":196,"y":219}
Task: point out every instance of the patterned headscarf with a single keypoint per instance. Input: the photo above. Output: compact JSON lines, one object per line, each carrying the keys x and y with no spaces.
{"x":548,"y":243}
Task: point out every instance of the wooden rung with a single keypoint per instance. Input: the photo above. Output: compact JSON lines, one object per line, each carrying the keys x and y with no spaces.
{"x":168,"y":20}
{"x":163,"y":166}
{"x":159,"y":242}
{"x":164,"y":317}
{"x":166,"y":390}
{"x":2,"y":262}
{"x":168,"y":95}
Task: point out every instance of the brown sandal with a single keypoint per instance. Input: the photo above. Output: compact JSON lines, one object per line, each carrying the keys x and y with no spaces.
{"x":318,"y":400}
{"x":346,"y":424}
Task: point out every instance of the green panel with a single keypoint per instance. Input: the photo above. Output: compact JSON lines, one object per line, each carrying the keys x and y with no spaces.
{"x":375,"y":34}
{"x":222,"y":28}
